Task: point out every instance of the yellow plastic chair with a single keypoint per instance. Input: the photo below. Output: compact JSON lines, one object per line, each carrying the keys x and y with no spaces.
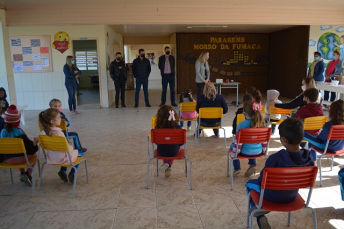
{"x":62,"y":126}
{"x":209,"y":113}
{"x":240,"y":118}
{"x":314,"y":123}
{"x":153,"y":120}
{"x":58,"y":143}
{"x":263,"y":111}
{"x":275,"y":110}
{"x":187,"y":107}
{"x":16,"y":146}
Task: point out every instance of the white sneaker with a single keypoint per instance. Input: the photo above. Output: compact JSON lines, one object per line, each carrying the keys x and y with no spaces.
{"x":188,"y":128}
{"x":168,"y":172}
{"x":164,"y":167}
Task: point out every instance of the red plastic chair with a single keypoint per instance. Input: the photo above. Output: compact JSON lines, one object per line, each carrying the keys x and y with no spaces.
{"x":336,"y":133}
{"x":249,"y":136}
{"x":169,"y":136}
{"x":284,"y":179}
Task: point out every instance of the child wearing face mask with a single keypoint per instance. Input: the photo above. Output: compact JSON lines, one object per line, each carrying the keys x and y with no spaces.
{"x":3,"y":101}
{"x":55,"y":103}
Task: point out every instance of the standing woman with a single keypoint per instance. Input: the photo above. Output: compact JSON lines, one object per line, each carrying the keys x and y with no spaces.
{"x":316,"y":70}
{"x":334,"y":68}
{"x":202,"y":71}
{"x":72,"y":78}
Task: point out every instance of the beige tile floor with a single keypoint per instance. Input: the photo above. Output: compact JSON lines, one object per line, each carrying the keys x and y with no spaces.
{"x":116,"y":196}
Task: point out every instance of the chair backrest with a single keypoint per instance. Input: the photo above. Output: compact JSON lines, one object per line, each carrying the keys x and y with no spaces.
{"x":12,"y":146}
{"x":54,"y":143}
{"x":168,"y":136}
{"x":275,"y":110}
{"x":62,"y":126}
{"x":336,"y":133}
{"x":211,"y":112}
{"x":263,"y":111}
{"x":187,"y":106}
{"x":254,"y":135}
{"x":314,"y":123}
{"x":153,"y":121}
{"x":240,"y":118}
{"x":289,"y":178}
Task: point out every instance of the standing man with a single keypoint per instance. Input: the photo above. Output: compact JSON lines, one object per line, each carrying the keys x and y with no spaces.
{"x":118,"y":74}
{"x":141,"y":70}
{"x":166,"y":66}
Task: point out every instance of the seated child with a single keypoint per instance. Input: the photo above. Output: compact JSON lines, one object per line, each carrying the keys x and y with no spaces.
{"x":3,"y":101}
{"x":257,"y":96}
{"x":55,"y":103}
{"x":186,"y":96}
{"x":336,"y":115}
{"x":247,"y":97}
{"x":49,"y":120}
{"x":167,"y":118}
{"x":291,"y":134}
{"x":253,"y":119}
{"x":272,"y":96}
{"x":12,"y":130}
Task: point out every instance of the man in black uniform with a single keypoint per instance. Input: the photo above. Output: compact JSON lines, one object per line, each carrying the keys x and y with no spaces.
{"x":118,"y":74}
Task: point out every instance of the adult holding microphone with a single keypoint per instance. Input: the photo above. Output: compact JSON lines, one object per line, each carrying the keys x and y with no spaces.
{"x":202,"y":71}
{"x":71,"y":80}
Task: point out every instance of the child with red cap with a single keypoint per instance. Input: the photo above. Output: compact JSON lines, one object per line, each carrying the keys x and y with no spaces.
{"x":12,"y":130}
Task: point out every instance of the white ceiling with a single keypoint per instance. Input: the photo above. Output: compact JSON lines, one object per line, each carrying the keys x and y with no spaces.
{"x":166,"y":30}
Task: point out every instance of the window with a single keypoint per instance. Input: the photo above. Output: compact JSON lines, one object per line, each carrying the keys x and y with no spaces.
{"x":86,"y":60}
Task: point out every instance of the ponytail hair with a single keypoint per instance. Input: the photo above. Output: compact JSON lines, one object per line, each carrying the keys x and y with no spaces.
{"x":45,"y":118}
{"x":257,"y":96}
{"x":253,"y":110}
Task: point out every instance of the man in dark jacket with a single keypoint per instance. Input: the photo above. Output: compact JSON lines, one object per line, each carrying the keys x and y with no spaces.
{"x":118,"y":74}
{"x":3,"y":101}
{"x":166,"y":66}
{"x":141,"y":70}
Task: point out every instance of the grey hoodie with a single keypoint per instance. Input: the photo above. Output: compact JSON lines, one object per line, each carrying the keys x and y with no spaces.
{"x":272,"y":95}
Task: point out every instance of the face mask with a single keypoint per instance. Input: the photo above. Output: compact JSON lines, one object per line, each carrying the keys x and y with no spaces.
{"x":335,"y":58}
{"x":72,"y":61}
{"x":168,"y":53}
{"x":118,"y":58}
{"x":207,"y":58}
{"x":143,"y":55}
{"x":316,"y":58}
{"x":303,"y":88}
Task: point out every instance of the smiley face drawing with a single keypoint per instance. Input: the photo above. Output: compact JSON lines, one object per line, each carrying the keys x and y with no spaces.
{"x":61,"y":41}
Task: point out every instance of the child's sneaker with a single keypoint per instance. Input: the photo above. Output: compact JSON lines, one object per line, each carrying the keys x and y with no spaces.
{"x":26,"y":178}
{"x":188,"y":128}
{"x":263,"y":222}
{"x":164,"y":167}
{"x":72,"y":113}
{"x":215,"y":136}
{"x":236,"y":172}
{"x":63,"y":176}
{"x":84,"y":150}
{"x":71,"y":177}
{"x":250,"y":171}
{"x":168,"y":172}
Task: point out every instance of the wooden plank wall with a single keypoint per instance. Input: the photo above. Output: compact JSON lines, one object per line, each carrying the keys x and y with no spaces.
{"x":288,"y":55}
{"x":189,"y":47}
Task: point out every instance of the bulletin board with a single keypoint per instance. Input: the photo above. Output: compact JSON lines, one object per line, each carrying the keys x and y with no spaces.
{"x":31,"y":54}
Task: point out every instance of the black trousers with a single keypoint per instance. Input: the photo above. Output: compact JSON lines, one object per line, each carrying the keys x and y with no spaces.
{"x":200,"y":87}
{"x":120,"y":88}
{"x":330,"y":96}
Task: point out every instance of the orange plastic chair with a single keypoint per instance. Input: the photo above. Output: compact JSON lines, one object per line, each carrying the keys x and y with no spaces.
{"x":284,"y":179}
{"x":210,"y":113}
{"x":169,"y":136}
{"x":249,"y":136}
{"x":275,"y":110}
{"x":16,"y":146}
{"x":336,"y":133}
{"x":314,"y":123}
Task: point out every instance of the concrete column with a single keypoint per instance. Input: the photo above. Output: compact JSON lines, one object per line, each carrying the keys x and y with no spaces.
{"x":6,"y":73}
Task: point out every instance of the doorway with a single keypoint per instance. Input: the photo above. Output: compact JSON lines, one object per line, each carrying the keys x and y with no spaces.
{"x":86,"y":59}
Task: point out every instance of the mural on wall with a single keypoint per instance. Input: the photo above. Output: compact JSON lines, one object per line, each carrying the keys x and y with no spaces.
{"x":326,"y":39}
{"x":151,"y":57}
{"x":61,"y":41}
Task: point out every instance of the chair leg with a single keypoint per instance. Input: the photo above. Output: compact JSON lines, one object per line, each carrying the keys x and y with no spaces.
{"x":186,"y":168}
{"x":190,"y":172}
{"x":332,"y":163}
{"x":248,"y":209}
{"x":231,"y":172}
{"x":39,"y":167}
{"x":224,"y":133}
{"x":33,"y":183}
{"x":319,"y":166}
{"x":11,"y":176}
{"x":86,"y":171}
{"x":314,"y":217}
{"x":40,"y":177}
{"x":74,"y":183}
{"x":148,"y":172}
{"x":289,"y":214}
{"x":157,"y":167}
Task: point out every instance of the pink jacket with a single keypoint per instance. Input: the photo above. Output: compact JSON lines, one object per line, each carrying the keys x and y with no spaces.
{"x":56,"y":157}
{"x":188,"y":114}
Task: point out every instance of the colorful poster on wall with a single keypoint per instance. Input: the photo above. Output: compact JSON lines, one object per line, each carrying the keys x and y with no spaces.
{"x":61,"y":41}
{"x":31,"y":53}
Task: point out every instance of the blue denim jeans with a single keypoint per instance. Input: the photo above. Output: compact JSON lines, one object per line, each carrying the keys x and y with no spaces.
{"x":144,"y":83}
{"x":71,"y":89}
